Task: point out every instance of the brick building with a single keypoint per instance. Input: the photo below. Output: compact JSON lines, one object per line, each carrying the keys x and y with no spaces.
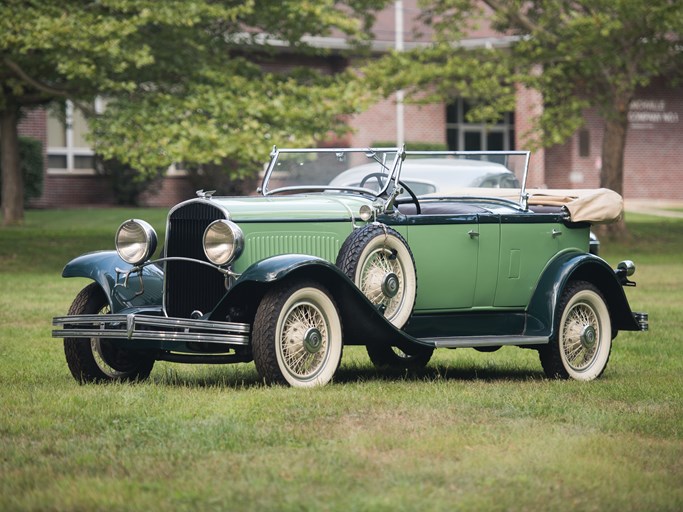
{"x":652,"y":160}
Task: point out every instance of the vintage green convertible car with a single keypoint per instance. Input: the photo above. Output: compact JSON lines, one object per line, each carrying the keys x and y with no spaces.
{"x":286,"y":278}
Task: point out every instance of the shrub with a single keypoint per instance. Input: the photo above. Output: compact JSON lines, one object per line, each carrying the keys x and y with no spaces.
{"x":32,"y":167}
{"x":127,"y":183}
{"x":414,"y":146}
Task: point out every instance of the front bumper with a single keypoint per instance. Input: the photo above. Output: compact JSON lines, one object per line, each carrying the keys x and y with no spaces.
{"x":134,"y":326}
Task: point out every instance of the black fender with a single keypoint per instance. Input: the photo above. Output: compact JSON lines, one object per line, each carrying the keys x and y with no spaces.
{"x":362,"y":323}
{"x":577,"y":266}
{"x":101,"y":267}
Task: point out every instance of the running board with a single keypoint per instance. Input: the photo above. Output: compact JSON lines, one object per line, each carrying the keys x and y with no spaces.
{"x":484,"y":341}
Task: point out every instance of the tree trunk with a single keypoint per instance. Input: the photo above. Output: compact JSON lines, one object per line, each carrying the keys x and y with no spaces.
{"x":612,"y":173}
{"x":12,"y":180}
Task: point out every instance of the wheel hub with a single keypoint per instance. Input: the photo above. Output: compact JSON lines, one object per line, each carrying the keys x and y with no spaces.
{"x":588,"y":336}
{"x":313,"y":340}
{"x":390,"y":285}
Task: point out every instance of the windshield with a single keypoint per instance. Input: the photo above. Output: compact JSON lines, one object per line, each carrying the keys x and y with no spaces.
{"x":374,"y":171}
{"x":296,"y":170}
{"x":454,"y":172}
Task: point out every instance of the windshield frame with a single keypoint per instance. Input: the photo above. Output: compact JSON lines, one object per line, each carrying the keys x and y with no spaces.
{"x":391,"y":183}
{"x":526,"y":154}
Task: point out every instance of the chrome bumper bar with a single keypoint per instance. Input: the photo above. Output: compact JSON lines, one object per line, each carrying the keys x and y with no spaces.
{"x":642,"y":320}
{"x":148,"y":327}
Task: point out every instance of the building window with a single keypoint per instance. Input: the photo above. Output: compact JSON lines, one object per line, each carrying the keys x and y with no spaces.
{"x":67,"y":148}
{"x":584,"y":142}
{"x":464,"y":136}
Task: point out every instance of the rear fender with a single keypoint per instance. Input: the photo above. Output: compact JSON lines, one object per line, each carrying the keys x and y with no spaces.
{"x":102,"y":268}
{"x":577,"y":266}
{"x":361,"y":321}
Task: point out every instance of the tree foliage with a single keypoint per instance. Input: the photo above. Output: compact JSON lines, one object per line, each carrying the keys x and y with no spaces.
{"x":179,"y":76}
{"x":576,"y":53}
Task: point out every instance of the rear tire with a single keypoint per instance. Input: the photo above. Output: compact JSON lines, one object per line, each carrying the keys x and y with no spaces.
{"x":582,"y":343}
{"x":392,"y":358}
{"x":101,"y":360}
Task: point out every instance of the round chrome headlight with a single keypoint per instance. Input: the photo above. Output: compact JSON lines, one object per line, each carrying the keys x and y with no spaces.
{"x":223,"y":242}
{"x":136,"y":241}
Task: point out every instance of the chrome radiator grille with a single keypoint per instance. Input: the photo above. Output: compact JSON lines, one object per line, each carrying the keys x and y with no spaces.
{"x":190,"y":286}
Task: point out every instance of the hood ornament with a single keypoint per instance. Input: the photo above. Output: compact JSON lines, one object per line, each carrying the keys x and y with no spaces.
{"x":205,"y":194}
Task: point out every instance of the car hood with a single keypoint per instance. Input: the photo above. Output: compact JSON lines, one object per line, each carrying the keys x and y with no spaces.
{"x":300,"y":207}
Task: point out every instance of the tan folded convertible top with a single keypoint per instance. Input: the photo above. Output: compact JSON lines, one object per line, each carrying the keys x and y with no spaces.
{"x":597,"y":206}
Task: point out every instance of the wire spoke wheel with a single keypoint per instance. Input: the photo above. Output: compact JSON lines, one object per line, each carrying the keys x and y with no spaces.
{"x":583,"y":340}
{"x":377,"y":259}
{"x":297,"y":336}
{"x":101,"y":360}
{"x":304,"y":340}
{"x":382,"y":281}
{"x":580,"y":335}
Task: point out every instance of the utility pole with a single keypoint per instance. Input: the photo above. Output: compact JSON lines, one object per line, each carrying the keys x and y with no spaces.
{"x":398,"y":30}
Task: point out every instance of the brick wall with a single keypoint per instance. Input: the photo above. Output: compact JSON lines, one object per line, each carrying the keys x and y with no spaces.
{"x":653,"y":157}
{"x":528,"y":106}
{"x":169,"y":191}
{"x":422,"y":123}
{"x":654,"y":149}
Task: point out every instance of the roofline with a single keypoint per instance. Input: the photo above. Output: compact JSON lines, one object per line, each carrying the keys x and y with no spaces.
{"x":376,"y":45}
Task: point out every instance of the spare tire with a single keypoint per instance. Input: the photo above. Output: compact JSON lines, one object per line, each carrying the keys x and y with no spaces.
{"x":378,"y":260}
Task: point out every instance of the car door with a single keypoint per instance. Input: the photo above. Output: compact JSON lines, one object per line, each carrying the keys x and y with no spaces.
{"x":527,"y":243}
{"x":445,"y":248}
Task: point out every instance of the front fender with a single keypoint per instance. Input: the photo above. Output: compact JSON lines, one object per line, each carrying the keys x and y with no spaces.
{"x":101,"y":267}
{"x":577,"y":266}
{"x":361,"y":321}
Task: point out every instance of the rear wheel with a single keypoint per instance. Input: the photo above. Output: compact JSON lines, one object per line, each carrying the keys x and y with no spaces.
{"x":393,"y":358}
{"x":297,"y":335}
{"x":101,"y":360}
{"x":581,"y":346}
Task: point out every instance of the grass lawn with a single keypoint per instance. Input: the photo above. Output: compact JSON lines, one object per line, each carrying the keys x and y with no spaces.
{"x":475,"y":431}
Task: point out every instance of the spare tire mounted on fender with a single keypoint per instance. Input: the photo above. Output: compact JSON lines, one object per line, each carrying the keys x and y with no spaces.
{"x":378,"y":260}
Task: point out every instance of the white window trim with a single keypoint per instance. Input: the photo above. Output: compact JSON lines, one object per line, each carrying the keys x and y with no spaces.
{"x":483,"y":129}
{"x":69,"y":150}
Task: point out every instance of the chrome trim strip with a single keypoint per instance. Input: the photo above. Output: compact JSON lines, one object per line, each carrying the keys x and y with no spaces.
{"x":485,"y":341}
{"x":131,"y":326}
{"x":154,"y":336}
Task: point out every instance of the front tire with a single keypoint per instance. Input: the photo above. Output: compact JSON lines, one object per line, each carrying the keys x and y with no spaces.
{"x":101,"y":360}
{"x":297,"y":335}
{"x":582,"y":343}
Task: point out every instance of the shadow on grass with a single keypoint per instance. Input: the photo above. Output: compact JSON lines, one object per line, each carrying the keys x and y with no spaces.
{"x":246,"y":377}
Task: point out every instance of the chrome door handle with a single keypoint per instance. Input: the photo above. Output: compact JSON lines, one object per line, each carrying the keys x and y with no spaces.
{"x":556,"y":233}
{"x":473,"y":233}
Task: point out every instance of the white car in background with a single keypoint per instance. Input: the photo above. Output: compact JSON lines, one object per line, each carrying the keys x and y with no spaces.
{"x":435,"y":175}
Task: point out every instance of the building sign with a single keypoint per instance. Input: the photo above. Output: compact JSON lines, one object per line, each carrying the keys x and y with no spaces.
{"x":645,"y":114}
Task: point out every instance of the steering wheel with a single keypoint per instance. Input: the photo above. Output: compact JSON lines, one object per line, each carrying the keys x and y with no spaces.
{"x":379,"y":175}
{"x":413,"y":197}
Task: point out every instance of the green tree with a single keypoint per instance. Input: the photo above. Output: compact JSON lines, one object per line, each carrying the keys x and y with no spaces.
{"x":576,"y":53}
{"x":179,"y":76}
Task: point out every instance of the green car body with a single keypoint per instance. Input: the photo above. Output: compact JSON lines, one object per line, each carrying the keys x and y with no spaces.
{"x":314,"y":267}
